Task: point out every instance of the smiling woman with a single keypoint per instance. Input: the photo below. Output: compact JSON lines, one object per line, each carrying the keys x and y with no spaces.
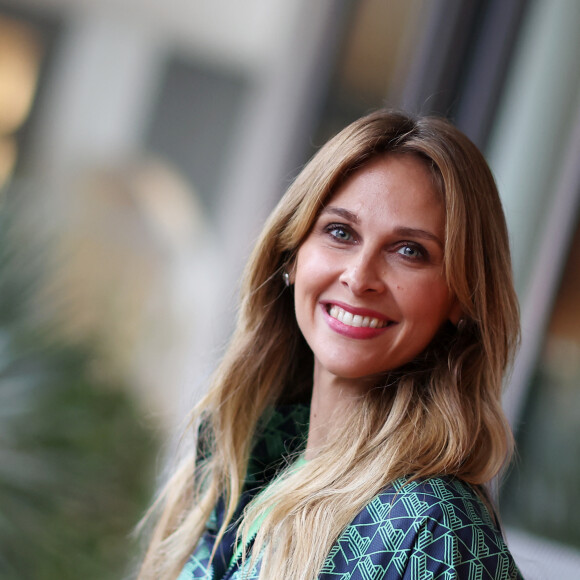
{"x":382,"y":262}
{"x":353,"y":425}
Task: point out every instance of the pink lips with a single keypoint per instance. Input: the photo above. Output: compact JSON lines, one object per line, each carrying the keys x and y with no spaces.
{"x":356,"y":332}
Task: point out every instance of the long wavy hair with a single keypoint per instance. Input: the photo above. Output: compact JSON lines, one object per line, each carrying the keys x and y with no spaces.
{"x":441,"y":414}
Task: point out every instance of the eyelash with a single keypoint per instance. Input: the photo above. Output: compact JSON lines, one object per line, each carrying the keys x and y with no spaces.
{"x":422,"y":253}
{"x":331,"y":229}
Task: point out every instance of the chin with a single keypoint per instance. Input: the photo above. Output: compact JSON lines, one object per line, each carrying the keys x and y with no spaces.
{"x":354,"y":372}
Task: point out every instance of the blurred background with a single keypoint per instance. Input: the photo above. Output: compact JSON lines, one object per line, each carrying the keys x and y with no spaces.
{"x":142,"y":145}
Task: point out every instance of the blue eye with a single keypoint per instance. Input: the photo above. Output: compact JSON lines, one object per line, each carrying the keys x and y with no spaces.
{"x":410,"y":251}
{"x":340,"y":233}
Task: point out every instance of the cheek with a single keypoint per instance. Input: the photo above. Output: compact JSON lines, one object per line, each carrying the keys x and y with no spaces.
{"x":313,"y":268}
{"x":428,"y":299}
{"x":306,"y":277}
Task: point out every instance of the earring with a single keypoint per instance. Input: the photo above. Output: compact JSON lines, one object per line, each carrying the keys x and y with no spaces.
{"x":461,"y":325}
{"x":286,"y":278}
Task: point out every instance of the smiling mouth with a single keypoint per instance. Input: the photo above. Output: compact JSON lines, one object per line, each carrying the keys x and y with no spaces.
{"x":355,"y":320}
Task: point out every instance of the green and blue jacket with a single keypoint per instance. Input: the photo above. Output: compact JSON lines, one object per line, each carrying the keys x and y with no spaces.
{"x":430,"y":529}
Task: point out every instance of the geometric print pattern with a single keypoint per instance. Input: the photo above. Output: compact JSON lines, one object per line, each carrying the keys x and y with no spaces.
{"x":431,"y":529}
{"x":425,"y":530}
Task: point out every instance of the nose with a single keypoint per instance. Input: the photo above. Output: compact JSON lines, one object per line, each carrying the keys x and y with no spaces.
{"x":363,"y":273}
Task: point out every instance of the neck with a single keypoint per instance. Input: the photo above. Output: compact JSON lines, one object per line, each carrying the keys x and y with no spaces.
{"x":332,"y":401}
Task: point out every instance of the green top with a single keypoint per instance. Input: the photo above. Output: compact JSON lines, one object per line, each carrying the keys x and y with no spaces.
{"x":435,"y":527}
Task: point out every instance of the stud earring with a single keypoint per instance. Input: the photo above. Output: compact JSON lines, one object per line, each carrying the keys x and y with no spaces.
{"x":286,"y":278}
{"x":461,"y":325}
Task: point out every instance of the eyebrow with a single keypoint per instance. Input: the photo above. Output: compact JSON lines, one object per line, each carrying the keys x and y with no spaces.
{"x":400,"y":231}
{"x":418,"y":233}
{"x":340,"y":211}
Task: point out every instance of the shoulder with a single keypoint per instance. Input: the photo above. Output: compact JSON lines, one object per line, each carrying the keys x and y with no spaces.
{"x":413,"y":528}
{"x":451,"y":502}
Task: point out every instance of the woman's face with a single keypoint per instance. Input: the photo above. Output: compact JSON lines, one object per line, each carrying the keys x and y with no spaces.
{"x":370,"y":291}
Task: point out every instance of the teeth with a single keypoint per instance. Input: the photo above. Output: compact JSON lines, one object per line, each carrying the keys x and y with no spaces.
{"x":355,"y":319}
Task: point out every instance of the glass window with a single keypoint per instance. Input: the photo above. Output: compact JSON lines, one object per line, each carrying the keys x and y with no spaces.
{"x":194,"y":121}
{"x":541,"y":493}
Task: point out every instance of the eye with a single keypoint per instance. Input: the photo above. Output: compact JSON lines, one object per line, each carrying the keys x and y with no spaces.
{"x":340,"y":232}
{"x":412,"y":251}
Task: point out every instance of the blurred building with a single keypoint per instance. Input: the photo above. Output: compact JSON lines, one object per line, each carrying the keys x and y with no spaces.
{"x":237,"y":95}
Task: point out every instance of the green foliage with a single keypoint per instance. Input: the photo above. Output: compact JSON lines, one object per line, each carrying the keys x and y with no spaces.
{"x":76,"y":460}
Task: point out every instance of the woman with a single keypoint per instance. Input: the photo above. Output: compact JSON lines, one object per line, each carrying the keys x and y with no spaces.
{"x":355,"y":420}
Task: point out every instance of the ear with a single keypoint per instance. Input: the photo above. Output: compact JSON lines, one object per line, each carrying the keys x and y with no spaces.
{"x":291,"y":269}
{"x":455,"y":312}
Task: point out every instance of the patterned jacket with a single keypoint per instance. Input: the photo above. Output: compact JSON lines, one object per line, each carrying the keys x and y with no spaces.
{"x":429,"y":529}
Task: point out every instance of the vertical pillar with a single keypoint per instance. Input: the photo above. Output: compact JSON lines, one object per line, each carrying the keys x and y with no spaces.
{"x":99,"y":95}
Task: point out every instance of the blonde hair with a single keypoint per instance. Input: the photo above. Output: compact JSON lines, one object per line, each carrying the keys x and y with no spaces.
{"x":441,"y":414}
